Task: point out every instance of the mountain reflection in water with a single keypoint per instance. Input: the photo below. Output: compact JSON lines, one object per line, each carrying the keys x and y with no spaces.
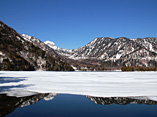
{"x":8,"y":104}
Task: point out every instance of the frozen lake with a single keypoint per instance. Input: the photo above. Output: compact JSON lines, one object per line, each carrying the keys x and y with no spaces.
{"x":97,"y":94}
{"x":99,"y":84}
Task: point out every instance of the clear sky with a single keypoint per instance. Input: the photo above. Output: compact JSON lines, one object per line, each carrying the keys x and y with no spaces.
{"x":74,"y":23}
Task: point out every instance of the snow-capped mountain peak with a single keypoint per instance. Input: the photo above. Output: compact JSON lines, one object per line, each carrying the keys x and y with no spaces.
{"x":60,"y":51}
{"x":24,"y":52}
{"x":113,"y":52}
{"x":51,"y":44}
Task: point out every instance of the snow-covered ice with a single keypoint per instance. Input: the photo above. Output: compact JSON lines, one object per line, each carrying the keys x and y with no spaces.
{"x":99,"y":84}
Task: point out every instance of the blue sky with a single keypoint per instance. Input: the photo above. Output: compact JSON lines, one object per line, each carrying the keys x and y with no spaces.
{"x":74,"y":23}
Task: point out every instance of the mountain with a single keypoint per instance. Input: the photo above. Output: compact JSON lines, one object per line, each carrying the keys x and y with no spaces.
{"x":23,"y":52}
{"x":112,"y":53}
{"x":60,"y":51}
{"x":9,"y":104}
{"x":121,"y":100}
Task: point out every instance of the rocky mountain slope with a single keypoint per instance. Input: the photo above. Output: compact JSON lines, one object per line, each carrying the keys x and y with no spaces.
{"x":23,"y":52}
{"x":9,"y":104}
{"x":121,"y":100}
{"x":107,"y":52}
{"x":60,"y":51}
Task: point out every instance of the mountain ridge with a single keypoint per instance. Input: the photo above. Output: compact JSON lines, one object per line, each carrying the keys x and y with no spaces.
{"x":27,"y":53}
{"x":113,"y":52}
{"x":74,"y":50}
{"x":104,"y":53}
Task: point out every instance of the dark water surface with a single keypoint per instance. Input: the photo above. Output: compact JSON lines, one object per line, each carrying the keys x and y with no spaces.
{"x":66,"y":105}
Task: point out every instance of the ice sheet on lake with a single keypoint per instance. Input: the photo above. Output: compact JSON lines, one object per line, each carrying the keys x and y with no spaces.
{"x":99,"y":84}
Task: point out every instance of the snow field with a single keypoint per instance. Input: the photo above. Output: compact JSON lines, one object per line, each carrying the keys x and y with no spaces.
{"x":99,"y":84}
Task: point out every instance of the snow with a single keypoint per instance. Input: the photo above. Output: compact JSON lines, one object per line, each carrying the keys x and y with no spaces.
{"x":119,"y":47}
{"x":150,"y":47}
{"x":118,"y":56}
{"x":30,"y":38}
{"x":61,"y":51}
{"x":49,"y":42}
{"x":99,"y":84}
{"x":20,"y":93}
{"x":75,"y":68}
{"x":2,"y":54}
{"x":18,"y":37}
{"x":50,"y":96}
{"x":26,"y":37}
{"x":92,"y":42}
{"x":77,"y":58}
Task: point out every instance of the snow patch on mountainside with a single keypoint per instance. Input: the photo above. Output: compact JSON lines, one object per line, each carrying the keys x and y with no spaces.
{"x":30,"y":38}
{"x":2,"y":56}
{"x":60,"y":51}
{"x":51,"y":44}
{"x":26,"y":37}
